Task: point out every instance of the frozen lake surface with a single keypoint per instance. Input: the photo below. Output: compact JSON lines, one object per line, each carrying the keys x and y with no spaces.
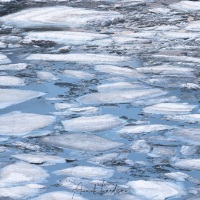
{"x":99,"y":100}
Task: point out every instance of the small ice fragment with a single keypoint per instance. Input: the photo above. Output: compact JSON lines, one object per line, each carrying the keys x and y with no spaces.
{"x":190,"y":86}
{"x":78,"y":74}
{"x":46,"y":76}
{"x":82,"y":142}
{"x":188,"y":164}
{"x":189,"y":150}
{"x":178,"y":176}
{"x":4,"y":59}
{"x":87,"y":172}
{"x":17,"y":67}
{"x":141,"y":146}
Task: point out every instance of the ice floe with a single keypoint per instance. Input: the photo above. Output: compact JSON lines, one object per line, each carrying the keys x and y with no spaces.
{"x":178,"y":176}
{"x":11,"y":96}
{"x":78,"y":74}
{"x":190,"y":86}
{"x":186,"y":6}
{"x":11,"y":81}
{"x":194,"y":26}
{"x":46,"y":76}
{"x":82,"y":142}
{"x":188,"y":150}
{"x":20,"y":192}
{"x":120,"y":71}
{"x":93,"y":123}
{"x":4,"y":59}
{"x":59,"y":16}
{"x":190,"y":118}
{"x":160,"y":151}
{"x":120,"y":96}
{"x":21,"y":173}
{"x":58,"y":195}
{"x":79,"y":58}
{"x":103,"y":158}
{"x":87,"y":172}
{"x":141,"y":146}
{"x":18,"y":66}
{"x":144,"y":128}
{"x":17,"y":123}
{"x":67,"y":38}
{"x":187,"y":135}
{"x":157,"y":190}
{"x":188,"y":164}
{"x":170,"y":108}
{"x":40,"y":159}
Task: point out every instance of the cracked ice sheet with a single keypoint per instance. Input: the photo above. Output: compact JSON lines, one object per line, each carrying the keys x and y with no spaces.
{"x":82,"y":142}
{"x":43,"y":159}
{"x":79,"y":58}
{"x":17,"y":67}
{"x":58,"y":16}
{"x":120,"y":96}
{"x":87,"y":172}
{"x":21,"y":173}
{"x":144,"y":129}
{"x":68,"y":38}
{"x":10,"y":97}
{"x":59,"y":195}
{"x":187,"y":135}
{"x":17,"y":123}
{"x":170,"y":108}
{"x":187,"y":6}
{"x":4,"y":59}
{"x":157,"y":190}
{"x":11,"y":80}
{"x":92,"y":124}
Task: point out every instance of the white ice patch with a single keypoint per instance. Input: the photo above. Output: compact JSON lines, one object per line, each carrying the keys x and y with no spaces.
{"x":188,"y":150}
{"x":188,"y":135}
{"x":79,"y":58}
{"x":188,"y":164}
{"x":178,"y":176}
{"x":63,"y":106}
{"x":46,"y":76}
{"x":170,"y":108}
{"x":141,"y":146}
{"x":21,"y":192}
{"x":191,"y":118}
{"x":160,"y":10}
{"x":11,"y":81}
{"x":82,"y":142}
{"x":167,"y":70}
{"x":17,"y":67}
{"x":118,"y":86}
{"x":11,"y":97}
{"x":87,"y":172}
{"x":58,"y":196}
{"x":160,"y":151}
{"x":120,"y":96}
{"x":21,"y":173}
{"x":103,"y":158}
{"x":144,"y":129}
{"x":66,"y":38}
{"x":58,"y":16}
{"x":120,"y":71}
{"x":4,"y":59}
{"x":156,"y":190}
{"x":186,"y":6}
{"x":17,"y":123}
{"x":78,"y":74}
{"x":40,"y":159}
{"x":190,"y":86}
{"x":93,"y":123}
{"x":194,"y":26}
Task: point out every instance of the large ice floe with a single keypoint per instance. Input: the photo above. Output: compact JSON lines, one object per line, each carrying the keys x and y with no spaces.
{"x":120,"y":96}
{"x":87,"y":172}
{"x":79,"y":58}
{"x":170,"y":108}
{"x":68,"y":38}
{"x":58,"y":17}
{"x":157,"y":190}
{"x":10,"y":97}
{"x":188,"y":164}
{"x":82,"y":142}
{"x":59,"y":195}
{"x":144,"y":128}
{"x":4,"y":59}
{"x":93,"y":123}
{"x":17,"y":123}
{"x":40,"y":159}
{"x":11,"y":81}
